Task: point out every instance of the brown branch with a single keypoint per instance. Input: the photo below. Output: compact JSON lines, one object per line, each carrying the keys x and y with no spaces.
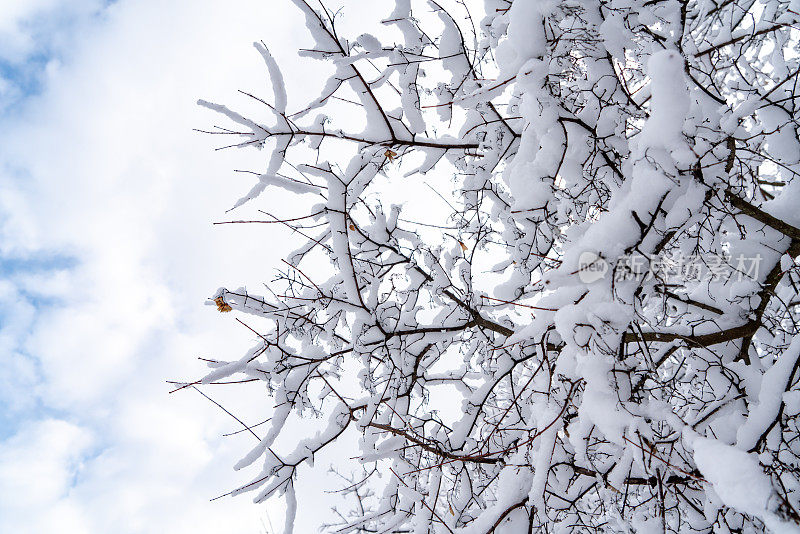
{"x":737,"y":39}
{"x":762,"y":216}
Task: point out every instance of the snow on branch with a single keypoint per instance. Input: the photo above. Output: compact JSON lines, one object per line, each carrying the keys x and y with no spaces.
{"x":583,"y":318}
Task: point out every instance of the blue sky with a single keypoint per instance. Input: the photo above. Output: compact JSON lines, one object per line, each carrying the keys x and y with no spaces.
{"x":36,"y":36}
{"x":12,"y":412}
{"x":107,"y":255}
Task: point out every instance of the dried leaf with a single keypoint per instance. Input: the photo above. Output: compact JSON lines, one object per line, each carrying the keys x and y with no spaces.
{"x":222,"y":306}
{"x":390,"y":154}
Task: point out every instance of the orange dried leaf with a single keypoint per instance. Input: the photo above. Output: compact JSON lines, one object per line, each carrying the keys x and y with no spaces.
{"x":222,"y":306}
{"x":390,"y":154}
{"x":352,"y":227}
{"x":463,"y":246}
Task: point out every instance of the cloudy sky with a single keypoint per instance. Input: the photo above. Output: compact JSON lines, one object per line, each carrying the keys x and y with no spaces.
{"x":107,"y":254}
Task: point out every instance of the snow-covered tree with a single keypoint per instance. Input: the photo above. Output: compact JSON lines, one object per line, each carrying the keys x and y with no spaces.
{"x":599,"y":331}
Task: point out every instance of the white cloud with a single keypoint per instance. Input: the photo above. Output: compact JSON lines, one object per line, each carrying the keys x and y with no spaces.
{"x":102,"y":166}
{"x":28,"y":27}
{"x":37,"y":467}
{"x":33,"y":36}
